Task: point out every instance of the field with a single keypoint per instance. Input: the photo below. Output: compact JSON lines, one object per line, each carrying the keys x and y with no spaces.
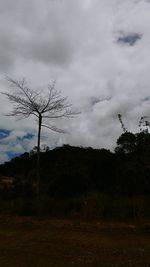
{"x":30,"y":242}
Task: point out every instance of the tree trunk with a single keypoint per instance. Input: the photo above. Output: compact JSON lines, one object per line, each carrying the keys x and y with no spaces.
{"x":38,"y":156}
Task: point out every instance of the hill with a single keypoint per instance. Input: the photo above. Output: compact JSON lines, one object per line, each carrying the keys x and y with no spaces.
{"x":75,"y":176}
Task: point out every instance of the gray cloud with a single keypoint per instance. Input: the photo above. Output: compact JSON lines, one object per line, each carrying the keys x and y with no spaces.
{"x":34,"y":32}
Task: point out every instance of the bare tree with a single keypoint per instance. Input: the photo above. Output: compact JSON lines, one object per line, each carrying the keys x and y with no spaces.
{"x":45,"y":107}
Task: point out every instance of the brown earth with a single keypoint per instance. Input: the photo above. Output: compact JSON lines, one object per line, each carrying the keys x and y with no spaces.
{"x":30,"y":242}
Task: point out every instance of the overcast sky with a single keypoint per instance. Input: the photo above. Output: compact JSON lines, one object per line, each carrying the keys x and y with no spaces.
{"x":98,"y":51}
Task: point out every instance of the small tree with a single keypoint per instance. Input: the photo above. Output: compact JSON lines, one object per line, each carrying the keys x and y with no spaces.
{"x":134,"y":142}
{"x":126,"y":143}
{"x":143,"y":122}
{"x":45,"y":107}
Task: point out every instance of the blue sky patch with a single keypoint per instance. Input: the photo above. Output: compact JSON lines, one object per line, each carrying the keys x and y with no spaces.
{"x":28,"y":136}
{"x":129,"y":39}
{"x":4,"y":133}
{"x":12,"y":155}
{"x":145,"y":99}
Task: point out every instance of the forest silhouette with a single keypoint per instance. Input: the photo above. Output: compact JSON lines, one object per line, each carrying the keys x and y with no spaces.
{"x":85,"y":181}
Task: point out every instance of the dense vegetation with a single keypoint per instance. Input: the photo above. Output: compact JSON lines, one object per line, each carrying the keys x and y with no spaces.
{"x":94,"y":182}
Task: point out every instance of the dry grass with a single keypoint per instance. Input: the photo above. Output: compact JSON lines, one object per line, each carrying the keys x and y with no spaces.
{"x":28,"y":242}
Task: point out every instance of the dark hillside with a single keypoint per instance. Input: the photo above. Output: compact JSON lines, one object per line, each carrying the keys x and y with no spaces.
{"x":92,"y":182}
{"x":72,"y":171}
{"x":66,"y":171}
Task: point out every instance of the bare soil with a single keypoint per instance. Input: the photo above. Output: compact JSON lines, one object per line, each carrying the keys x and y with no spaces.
{"x":30,"y":242}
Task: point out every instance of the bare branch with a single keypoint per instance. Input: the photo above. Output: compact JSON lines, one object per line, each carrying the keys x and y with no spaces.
{"x":54,"y":128}
{"x":28,"y":102}
{"x":29,"y":96}
{"x":50,"y":97}
{"x":65,"y":114}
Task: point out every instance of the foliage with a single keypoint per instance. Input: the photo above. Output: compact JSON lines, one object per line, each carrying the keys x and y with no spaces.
{"x":126,"y":143}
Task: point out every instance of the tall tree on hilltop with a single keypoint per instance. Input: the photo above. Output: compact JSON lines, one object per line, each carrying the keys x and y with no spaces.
{"x":45,"y":107}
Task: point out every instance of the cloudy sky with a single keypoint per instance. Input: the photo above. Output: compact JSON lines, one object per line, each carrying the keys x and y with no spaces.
{"x":97,"y":51}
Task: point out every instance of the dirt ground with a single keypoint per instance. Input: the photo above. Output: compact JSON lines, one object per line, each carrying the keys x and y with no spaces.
{"x":30,"y":242}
